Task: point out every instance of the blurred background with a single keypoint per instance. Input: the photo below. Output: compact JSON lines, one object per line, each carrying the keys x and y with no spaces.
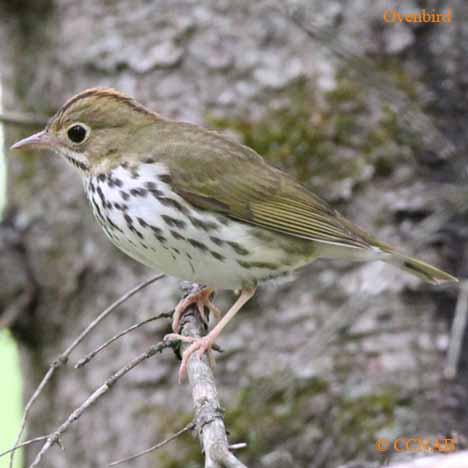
{"x":369,"y":114}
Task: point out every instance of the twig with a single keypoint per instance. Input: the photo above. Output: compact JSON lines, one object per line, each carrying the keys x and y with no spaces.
{"x":54,"y":437}
{"x":23,"y":444}
{"x":238,"y":446}
{"x":188,"y":427}
{"x":458,"y":332}
{"x":82,"y":362}
{"x":29,"y":120}
{"x":63,"y":358}
{"x":50,"y":372}
{"x":208,"y":411}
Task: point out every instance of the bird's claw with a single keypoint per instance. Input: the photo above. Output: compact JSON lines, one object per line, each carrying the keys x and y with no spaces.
{"x":199,"y":345}
{"x":178,"y":337}
{"x":201,"y":299}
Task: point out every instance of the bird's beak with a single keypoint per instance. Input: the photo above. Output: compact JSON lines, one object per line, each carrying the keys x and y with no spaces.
{"x":40,"y":140}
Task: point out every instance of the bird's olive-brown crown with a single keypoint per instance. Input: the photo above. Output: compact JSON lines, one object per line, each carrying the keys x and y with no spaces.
{"x":97,"y":126}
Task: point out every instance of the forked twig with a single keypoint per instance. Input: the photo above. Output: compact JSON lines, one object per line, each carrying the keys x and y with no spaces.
{"x":54,"y":437}
{"x":63,"y":358}
{"x":82,"y":362}
{"x":185,"y":429}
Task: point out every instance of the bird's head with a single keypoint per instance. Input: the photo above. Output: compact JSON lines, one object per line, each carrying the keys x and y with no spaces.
{"x":93,"y":129}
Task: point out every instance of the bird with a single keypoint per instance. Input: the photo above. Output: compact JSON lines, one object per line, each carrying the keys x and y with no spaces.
{"x":196,"y":205}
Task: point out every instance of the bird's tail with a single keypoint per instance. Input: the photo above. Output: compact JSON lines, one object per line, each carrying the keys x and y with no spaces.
{"x":382,"y":251}
{"x":421,"y":269}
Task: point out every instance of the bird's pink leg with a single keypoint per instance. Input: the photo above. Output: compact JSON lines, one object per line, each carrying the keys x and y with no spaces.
{"x":205,"y":343}
{"x":202,"y":299}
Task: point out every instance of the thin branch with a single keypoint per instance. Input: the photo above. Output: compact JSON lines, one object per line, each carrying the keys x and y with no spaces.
{"x":28,"y":120}
{"x":55,"y":436}
{"x":23,"y":444}
{"x":106,"y":312}
{"x":458,"y":331}
{"x":208,"y":411}
{"x":63,"y":358}
{"x":238,"y":446}
{"x":187,"y":428}
{"x":82,"y":362}
{"x":50,"y":372}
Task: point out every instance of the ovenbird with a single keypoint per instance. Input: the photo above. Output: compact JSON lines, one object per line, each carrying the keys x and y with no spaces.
{"x":196,"y":205}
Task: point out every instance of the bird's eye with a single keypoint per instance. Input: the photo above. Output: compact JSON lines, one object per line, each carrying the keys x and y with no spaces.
{"x":77,"y":133}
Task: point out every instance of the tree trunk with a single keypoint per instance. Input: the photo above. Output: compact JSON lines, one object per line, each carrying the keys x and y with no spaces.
{"x":313,"y":370}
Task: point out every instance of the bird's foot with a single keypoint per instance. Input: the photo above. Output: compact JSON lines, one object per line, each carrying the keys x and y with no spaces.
{"x":201,"y":345}
{"x":202,"y":299}
{"x":206,"y":343}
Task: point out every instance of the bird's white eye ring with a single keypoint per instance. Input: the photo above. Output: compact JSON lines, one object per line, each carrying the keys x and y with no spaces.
{"x":78,"y":132}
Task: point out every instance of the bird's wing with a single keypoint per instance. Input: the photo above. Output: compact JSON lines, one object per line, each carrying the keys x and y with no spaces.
{"x":214,"y":173}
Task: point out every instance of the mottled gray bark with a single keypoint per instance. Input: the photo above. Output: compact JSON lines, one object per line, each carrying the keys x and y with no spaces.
{"x":313,"y":371}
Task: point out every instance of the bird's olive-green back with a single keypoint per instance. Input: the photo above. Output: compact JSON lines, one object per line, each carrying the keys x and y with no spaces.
{"x":215,"y":173}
